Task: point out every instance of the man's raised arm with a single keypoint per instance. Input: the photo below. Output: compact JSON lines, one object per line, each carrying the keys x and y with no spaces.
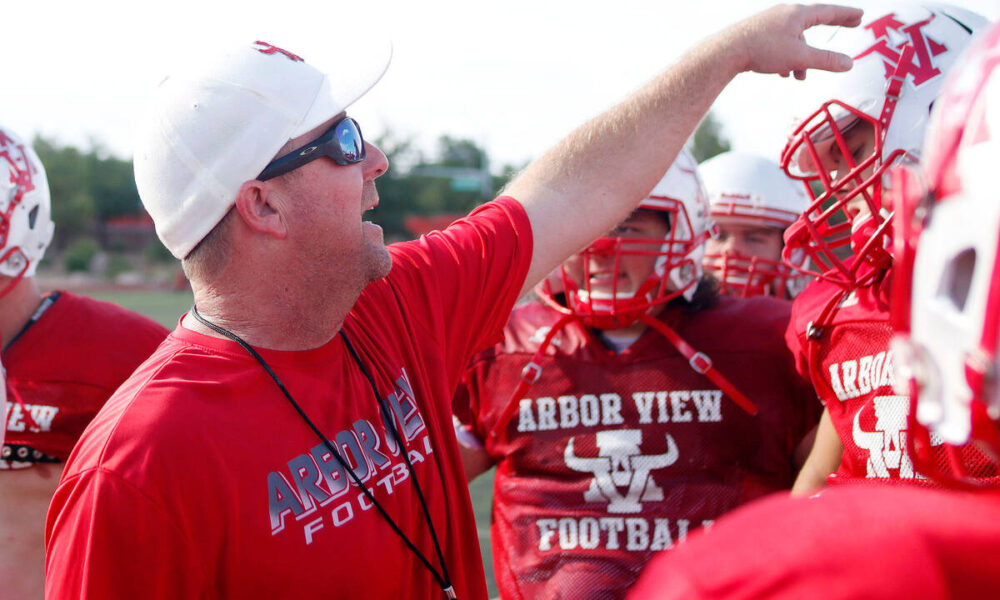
{"x":594,"y":177}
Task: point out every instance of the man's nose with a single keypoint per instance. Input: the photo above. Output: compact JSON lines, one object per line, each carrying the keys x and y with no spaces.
{"x":734,"y":245}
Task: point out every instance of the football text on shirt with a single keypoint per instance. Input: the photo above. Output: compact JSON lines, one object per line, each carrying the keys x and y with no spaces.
{"x":316,"y":486}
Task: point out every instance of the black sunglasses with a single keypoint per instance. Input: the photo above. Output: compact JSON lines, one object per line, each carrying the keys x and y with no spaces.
{"x":342,"y":142}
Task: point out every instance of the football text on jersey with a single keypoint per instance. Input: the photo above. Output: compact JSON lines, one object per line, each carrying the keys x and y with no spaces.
{"x":622,"y":481}
{"x":855,"y":378}
{"x":41,"y":414}
{"x":591,"y":410}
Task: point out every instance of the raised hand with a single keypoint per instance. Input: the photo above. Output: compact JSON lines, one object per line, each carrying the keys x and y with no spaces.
{"x":772,"y":41}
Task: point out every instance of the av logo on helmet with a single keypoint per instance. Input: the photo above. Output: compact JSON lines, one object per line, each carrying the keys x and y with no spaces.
{"x":619,"y":467}
{"x":886,"y":445}
{"x":266,"y":48}
{"x":892,"y":35}
{"x":19,"y":167}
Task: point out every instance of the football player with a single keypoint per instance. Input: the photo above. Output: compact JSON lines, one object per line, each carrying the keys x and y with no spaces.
{"x":752,"y":202}
{"x":875,"y":117}
{"x":901,"y":541}
{"x":64,"y":355}
{"x":631,"y":405}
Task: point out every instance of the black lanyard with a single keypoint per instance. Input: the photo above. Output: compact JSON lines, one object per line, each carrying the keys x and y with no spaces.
{"x":43,"y":306}
{"x":442,"y":578}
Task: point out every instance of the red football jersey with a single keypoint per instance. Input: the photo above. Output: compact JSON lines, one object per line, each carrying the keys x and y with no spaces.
{"x":849,"y":542}
{"x":850,"y":364}
{"x":201,"y":458}
{"x":63,"y":368}
{"x":609,"y":458}
{"x":849,"y":359}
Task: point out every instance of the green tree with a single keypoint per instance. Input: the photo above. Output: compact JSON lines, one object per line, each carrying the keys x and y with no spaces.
{"x":707,"y":140}
{"x":456,"y":152}
{"x":72,"y":205}
{"x":87,"y":189}
{"x":413,"y":187}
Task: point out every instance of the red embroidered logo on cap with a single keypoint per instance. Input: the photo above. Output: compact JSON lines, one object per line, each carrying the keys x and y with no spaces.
{"x":925,"y":49}
{"x":271,"y":49}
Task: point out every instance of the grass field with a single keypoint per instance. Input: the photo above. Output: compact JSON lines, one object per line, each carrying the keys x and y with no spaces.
{"x":167,"y":307}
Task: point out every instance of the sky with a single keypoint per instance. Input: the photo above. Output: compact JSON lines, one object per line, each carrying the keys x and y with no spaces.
{"x":514,"y":76}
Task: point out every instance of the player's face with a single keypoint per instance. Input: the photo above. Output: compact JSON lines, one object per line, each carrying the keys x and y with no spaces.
{"x":635,"y":265}
{"x":740,"y":239}
{"x":838,"y":159}
{"x":327,"y":205}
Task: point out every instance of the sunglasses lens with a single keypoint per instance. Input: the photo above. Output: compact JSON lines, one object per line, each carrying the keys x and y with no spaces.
{"x":352,"y":145}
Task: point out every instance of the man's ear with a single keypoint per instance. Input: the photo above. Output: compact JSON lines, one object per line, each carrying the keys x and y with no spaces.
{"x":261,"y":209}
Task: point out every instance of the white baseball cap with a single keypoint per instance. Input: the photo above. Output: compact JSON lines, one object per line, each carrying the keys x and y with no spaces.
{"x":218,"y":125}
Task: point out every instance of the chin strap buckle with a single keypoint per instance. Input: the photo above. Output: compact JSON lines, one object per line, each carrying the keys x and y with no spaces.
{"x":700,"y":362}
{"x":531,"y":372}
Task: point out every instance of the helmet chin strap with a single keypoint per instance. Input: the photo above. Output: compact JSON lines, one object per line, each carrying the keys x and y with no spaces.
{"x":529,"y":375}
{"x":701,"y":363}
{"x":895,"y":87}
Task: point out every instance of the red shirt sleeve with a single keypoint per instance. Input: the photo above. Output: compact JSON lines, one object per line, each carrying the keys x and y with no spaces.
{"x":479,"y":267}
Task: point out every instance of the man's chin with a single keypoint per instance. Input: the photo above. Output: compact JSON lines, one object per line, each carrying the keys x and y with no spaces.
{"x":380,"y":265}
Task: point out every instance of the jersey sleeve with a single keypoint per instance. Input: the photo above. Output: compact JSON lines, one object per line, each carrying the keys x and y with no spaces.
{"x":460,"y":284}
{"x":93,"y":516}
{"x":467,"y":403}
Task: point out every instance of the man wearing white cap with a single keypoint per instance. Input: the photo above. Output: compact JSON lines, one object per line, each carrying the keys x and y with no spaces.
{"x":293,"y":436}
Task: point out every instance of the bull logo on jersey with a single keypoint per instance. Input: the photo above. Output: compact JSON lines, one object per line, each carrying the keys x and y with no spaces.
{"x":620,"y":465}
{"x":891,"y":35}
{"x":886,"y":445}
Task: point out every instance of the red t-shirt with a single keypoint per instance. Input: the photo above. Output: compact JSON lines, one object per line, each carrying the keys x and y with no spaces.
{"x":847,"y":543}
{"x":609,"y":458}
{"x":199,"y":480}
{"x":63,"y":368}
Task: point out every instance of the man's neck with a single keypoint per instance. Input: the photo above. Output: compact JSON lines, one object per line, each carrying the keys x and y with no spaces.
{"x":16,"y":308}
{"x":289,"y":322}
{"x":618,"y":340}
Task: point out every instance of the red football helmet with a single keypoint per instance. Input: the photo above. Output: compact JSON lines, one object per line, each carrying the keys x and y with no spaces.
{"x":946,"y":308}
{"x":875,"y":117}
{"x":25,"y":212}
{"x":750,"y":192}
{"x":681,"y":201}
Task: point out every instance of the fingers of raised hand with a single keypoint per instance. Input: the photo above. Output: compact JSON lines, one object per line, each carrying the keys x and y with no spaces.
{"x":831,"y":14}
{"x":780,"y":46}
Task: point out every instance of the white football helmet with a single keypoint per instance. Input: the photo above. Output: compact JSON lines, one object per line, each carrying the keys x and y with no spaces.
{"x":744,"y":189}
{"x":947,"y":290}
{"x":25,"y":211}
{"x":901,"y":53}
{"x":680,"y":197}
